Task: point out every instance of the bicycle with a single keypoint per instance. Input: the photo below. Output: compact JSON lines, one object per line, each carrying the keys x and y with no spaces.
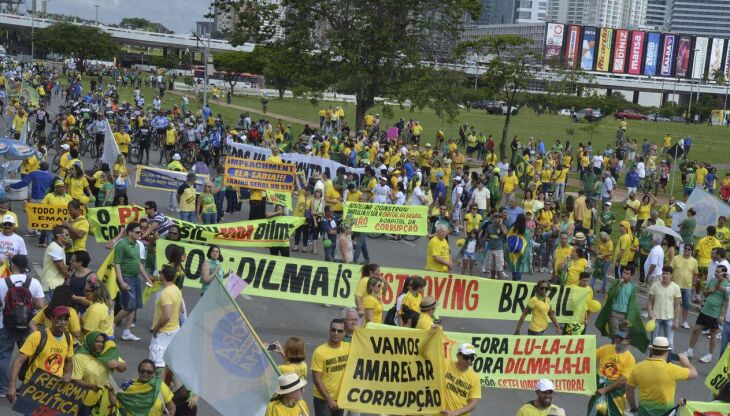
{"x":406,"y":237}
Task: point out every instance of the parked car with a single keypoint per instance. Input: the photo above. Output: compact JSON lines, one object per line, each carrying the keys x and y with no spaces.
{"x":478,"y":104}
{"x":587,"y":114}
{"x":657,"y":117}
{"x":565,"y":112}
{"x":676,"y":119}
{"x":629,"y":114}
{"x":500,"y":107}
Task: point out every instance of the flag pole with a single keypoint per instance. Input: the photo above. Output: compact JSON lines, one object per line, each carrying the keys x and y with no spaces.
{"x":253,"y":332}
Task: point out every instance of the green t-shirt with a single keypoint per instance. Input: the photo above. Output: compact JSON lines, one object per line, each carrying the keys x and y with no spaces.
{"x":589,"y":184}
{"x":687,"y":230}
{"x":207,"y":202}
{"x":105,"y":190}
{"x":126,"y":255}
{"x":607,"y":217}
{"x":621,"y":303}
{"x":716,"y":300}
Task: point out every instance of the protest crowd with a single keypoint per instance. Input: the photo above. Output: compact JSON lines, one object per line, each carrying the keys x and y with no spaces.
{"x":562,"y":222}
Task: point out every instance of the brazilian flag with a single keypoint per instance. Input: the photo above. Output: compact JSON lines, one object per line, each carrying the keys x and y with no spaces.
{"x":524,"y":171}
{"x":635,"y":326}
{"x":517,"y":251}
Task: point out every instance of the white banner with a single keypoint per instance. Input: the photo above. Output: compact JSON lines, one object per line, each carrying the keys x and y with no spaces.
{"x":708,"y":207}
{"x":305,"y":163}
{"x":111,"y":150}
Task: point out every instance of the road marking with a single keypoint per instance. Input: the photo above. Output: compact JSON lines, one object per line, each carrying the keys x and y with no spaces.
{"x":409,"y":243}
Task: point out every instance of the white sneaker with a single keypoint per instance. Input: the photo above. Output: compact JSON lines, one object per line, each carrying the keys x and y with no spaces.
{"x":706,"y":332}
{"x":130,"y":337}
{"x":706,"y":359}
{"x":645,"y":314}
{"x":685,"y":325}
{"x":689,"y":354}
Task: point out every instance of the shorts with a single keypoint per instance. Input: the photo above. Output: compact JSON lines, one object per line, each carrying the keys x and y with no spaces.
{"x":707,"y":321}
{"x":158,"y":346}
{"x":470,"y":256}
{"x":456,"y":214}
{"x":131,"y":300}
{"x":495,"y":260}
{"x":686,"y":298}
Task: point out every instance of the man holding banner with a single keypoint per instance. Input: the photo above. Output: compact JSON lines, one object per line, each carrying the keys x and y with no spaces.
{"x":462,"y":387}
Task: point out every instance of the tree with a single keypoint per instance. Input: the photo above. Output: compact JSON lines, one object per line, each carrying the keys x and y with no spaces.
{"x":281,"y":66}
{"x":81,"y":43}
{"x":235,"y":63}
{"x":144,"y":24}
{"x":508,"y":71}
{"x":369,"y":48}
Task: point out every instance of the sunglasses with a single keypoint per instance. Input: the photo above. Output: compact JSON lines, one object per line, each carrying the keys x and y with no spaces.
{"x":8,"y":224}
{"x":335,"y":330}
{"x":468,"y":357}
{"x":143,"y":371}
{"x":543,"y":288}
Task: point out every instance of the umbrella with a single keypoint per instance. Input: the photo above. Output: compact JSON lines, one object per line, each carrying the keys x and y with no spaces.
{"x":16,"y":150}
{"x":660,"y":229}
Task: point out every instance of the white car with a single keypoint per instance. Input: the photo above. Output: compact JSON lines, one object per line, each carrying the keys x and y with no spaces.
{"x":565,"y":112}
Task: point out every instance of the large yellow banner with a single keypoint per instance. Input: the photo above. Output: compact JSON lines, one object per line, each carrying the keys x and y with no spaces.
{"x":387,"y":218}
{"x":398,"y":372}
{"x":106,"y":222}
{"x":519,"y":361}
{"x":718,"y":377}
{"x":334,"y":283}
{"x":108,"y":275}
{"x":45,"y":216}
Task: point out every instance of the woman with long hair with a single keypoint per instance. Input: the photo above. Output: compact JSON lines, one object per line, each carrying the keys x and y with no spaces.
{"x":80,"y":275}
{"x":295,"y":357}
{"x":212,"y":268}
{"x":366,"y":272}
{"x":62,"y":296}
{"x":372,"y":303}
{"x":99,"y":315}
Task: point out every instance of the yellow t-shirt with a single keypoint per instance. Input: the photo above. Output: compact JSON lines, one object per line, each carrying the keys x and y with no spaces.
{"x":644,"y":212}
{"x":123,"y":140}
{"x":98,"y":317}
{"x":604,"y":249}
{"x":170,"y":295}
{"x":509,"y":183}
{"x":82,"y":224}
{"x":632,"y":215}
{"x":577,"y":266}
{"x":333,"y":194}
{"x":278,"y":408}
{"x":704,"y":250}
{"x":684,"y":271}
{"x":362,"y":287}
{"x":624,"y":243}
{"x":413,"y":302}
{"x":613,"y":365}
{"x":539,"y":310}
{"x":74,"y":324}
{"x":299,"y":369}
{"x":561,"y":175}
{"x":331,"y":363}
{"x":424,"y":321}
{"x":53,"y":356}
{"x":656,"y":379}
{"x":700,"y":176}
{"x":471,"y":222}
{"x":371,"y":302}
{"x":76,"y":187}
{"x":170,"y":137}
{"x":529,"y":409}
{"x":354,"y":196}
{"x":459,"y":387}
{"x":437,"y":247}
{"x":561,"y":253}
{"x":90,"y":370}
{"x":165,"y":393}
{"x":187,"y":199}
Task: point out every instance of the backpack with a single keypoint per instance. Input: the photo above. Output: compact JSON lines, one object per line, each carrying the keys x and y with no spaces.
{"x":41,"y":345}
{"x":18,"y":305}
{"x":389,"y":318}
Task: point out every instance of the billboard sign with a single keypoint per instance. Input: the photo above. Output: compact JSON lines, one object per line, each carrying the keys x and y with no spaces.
{"x":588,"y":52}
{"x":572,"y":46}
{"x":666,"y":68}
{"x":636,"y":52}
{"x":700,"y":57}
{"x":652,"y":53}
{"x":716,"y":55}
{"x":684,"y":50}
{"x":554,"y":41}
{"x":620,"y":51}
{"x":605,"y":43}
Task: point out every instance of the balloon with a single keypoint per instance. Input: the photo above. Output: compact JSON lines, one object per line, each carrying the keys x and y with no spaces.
{"x":327,"y":243}
{"x":594,"y":306}
{"x":650,"y":325}
{"x":602,"y":408}
{"x":460,"y":242}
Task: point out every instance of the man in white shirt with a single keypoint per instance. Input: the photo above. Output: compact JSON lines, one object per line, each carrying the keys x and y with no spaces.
{"x":10,"y":243}
{"x":597,"y":163}
{"x":9,"y":338}
{"x":55,"y":271}
{"x":480,"y":196}
{"x":663,"y":306}
{"x":718,"y":257}
{"x":418,"y":197}
{"x":654,"y":261}
{"x":456,"y":204}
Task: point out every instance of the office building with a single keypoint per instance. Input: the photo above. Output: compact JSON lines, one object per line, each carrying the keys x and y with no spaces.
{"x":706,"y":18}
{"x":605,"y":13}
{"x":658,"y":13}
{"x":535,"y":32}
{"x":530,"y":11}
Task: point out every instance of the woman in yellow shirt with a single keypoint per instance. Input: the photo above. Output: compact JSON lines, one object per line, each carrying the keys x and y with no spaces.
{"x":295,"y":357}
{"x":372,"y":303}
{"x":78,"y":186}
{"x":604,"y":252}
{"x":578,"y":264}
{"x":644,"y":211}
{"x":289,"y":398}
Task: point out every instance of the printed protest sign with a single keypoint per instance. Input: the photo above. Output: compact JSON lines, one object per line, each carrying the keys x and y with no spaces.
{"x":48,"y":394}
{"x":519,"y":361}
{"x":335,"y":283}
{"x":398,"y":372}
{"x":107,"y":222}
{"x":280,"y":198}
{"x":258,"y":174}
{"x":168,"y":180}
{"x":387,"y":218}
{"x":45,"y":216}
{"x":705,"y":409}
{"x":718,"y":378}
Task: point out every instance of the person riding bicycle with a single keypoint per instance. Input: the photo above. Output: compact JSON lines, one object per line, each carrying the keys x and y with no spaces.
{"x":18,"y":122}
{"x":171,"y":139}
{"x":144,"y":134}
{"x":41,"y":118}
{"x":160,"y":124}
{"x":72,"y":138}
{"x":68,"y":122}
{"x":96,"y":129}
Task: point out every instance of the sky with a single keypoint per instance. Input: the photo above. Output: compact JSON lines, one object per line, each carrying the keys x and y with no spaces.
{"x":177,"y":15}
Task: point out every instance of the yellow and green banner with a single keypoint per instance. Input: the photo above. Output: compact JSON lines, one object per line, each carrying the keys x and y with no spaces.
{"x":387,"y":218}
{"x":705,"y":409}
{"x":280,"y":198}
{"x":718,"y":377}
{"x":519,"y":361}
{"x":334,"y":283}
{"x":108,"y":275}
{"x":397,"y":372}
{"x":106,"y":222}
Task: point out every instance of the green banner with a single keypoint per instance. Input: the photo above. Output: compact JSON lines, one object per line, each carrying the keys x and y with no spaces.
{"x":334,"y":283}
{"x":519,"y":361}
{"x":705,"y":409}
{"x":106,"y":222}
{"x":718,"y":377}
{"x":387,"y":218}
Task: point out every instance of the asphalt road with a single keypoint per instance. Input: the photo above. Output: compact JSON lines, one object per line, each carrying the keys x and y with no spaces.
{"x":277,"y":319}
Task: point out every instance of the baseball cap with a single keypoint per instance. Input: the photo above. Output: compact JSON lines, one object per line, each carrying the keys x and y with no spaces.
{"x":65,"y":146}
{"x":191,"y":175}
{"x":21,"y":261}
{"x":8,"y":218}
{"x":467,"y":349}
{"x":544,"y":385}
{"x":60,"y":310}
{"x":457,"y":179}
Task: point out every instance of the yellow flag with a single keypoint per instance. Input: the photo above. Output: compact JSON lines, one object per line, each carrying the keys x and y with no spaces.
{"x":108,"y":275}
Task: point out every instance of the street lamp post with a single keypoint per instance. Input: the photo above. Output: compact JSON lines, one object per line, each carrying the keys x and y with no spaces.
{"x":206,"y":55}
{"x":97,"y":14}
{"x":32,"y":32}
